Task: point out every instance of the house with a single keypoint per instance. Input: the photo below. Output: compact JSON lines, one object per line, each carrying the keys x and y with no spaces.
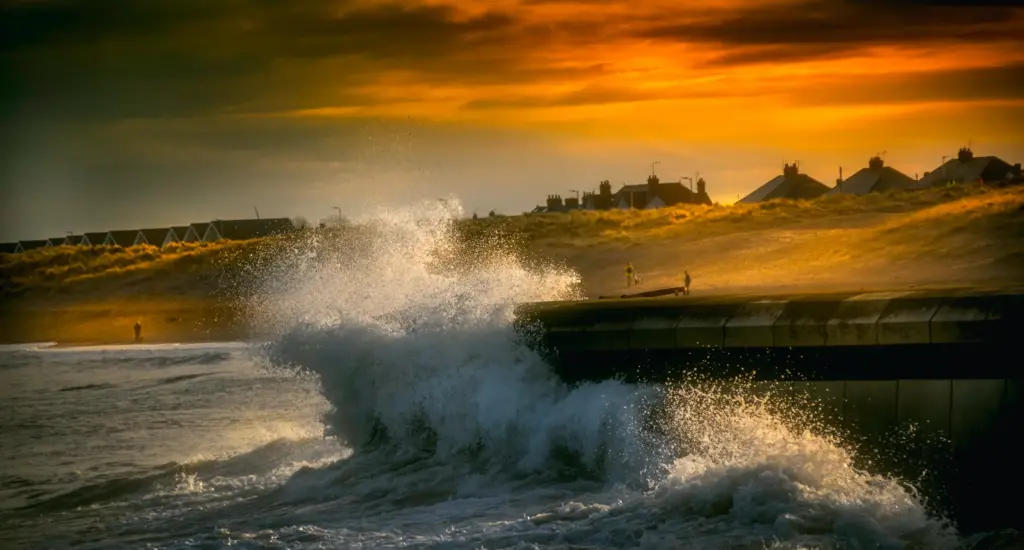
{"x":95,"y":239}
{"x":77,"y":240}
{"x":790,"y":185}
{"x":194,"y":233}
{"x":876,"y":178}
{"x":602,"y":200}
{"x":32,"y":245}
{"x":123,"y":238}
{"x":240,"y":230}
{"x":152,"y":237}
{"x":175,"y":234}
{"x":659,"y":195}
{"x":967,"y":168}
{"x":10,"y":248}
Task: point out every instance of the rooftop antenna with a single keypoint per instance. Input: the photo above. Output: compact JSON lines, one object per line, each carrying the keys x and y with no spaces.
{"x":881,"y":155}
{"x":652,"y":166}
{"x":257,"y":212}
{"x":681,"y":178}
{"x":575,"y":191}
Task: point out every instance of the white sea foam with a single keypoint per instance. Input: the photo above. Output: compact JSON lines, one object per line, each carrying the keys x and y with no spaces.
{"x":419,"y":361}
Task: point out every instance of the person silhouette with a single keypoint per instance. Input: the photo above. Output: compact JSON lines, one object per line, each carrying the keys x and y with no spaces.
{"x":138,"y":331}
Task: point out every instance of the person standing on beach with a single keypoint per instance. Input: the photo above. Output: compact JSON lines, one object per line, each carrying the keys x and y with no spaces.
{"x":138,"y":331}
{"x":629,"y":274}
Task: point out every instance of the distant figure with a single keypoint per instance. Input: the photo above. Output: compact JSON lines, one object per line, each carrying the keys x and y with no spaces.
{"x":637,"y":278}
{"x":629,"y":274}
{"x":138,"y":331}
{"x":686,"y":283}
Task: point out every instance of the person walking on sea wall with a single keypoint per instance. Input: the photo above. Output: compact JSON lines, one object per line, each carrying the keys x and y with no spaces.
{"x":686,"y":283}
{"x":629,"y":274}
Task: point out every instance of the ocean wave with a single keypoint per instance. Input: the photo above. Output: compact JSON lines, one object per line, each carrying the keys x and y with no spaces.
{"x":443,"y":400}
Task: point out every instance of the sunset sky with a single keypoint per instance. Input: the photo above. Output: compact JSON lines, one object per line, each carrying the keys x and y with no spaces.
{"x":131,"y":113}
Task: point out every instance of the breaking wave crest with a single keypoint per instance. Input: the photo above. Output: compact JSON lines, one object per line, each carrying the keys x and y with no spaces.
{"x":409,"y":330}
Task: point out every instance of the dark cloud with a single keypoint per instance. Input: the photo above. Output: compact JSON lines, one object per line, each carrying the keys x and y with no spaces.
{"x":986,"y":83}
{"x":812,"y":28}
{"x":120,"y":58}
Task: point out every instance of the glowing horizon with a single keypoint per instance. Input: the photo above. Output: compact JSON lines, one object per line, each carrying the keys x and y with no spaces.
{"x":310,"y":101}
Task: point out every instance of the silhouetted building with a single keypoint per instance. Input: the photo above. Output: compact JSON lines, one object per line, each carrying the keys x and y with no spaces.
{"x":152,"y":237}
{"x":95,"y":239}
{"x":876,"y":178}
{"x":195,"y":232}
{"x":10,"y":248}
{"x":175,"y":234}
{"x":602,"y":200}
{"x":57,"y":241}
{"x":240,"y":230}
{"x":121,"y":237}
{"x":77,"y":240}
{"x":967,"y":168}
{"x":790,"y":185}
{"x":34,"y":244}
{"x":655,"y":194}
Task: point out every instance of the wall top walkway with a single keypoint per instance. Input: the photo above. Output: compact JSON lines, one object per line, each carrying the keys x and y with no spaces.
{"x":806,"y":320}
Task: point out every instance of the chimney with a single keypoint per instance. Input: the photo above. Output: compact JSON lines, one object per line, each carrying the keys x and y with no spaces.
{"x":701,"y":187}
{"x":965,"y":155}
{"x":554,"y":202}
{"x":652,"y":187}
{"x":876,"y":163}
{"x":606,"y":188}
{"x":790,"y":170}
{"x":572,"y":202}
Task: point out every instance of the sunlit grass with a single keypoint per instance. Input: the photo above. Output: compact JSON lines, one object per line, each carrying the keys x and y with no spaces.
{"x":910,"y":224}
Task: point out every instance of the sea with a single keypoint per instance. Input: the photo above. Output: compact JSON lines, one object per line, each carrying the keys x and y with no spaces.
{"x":395,"y":405}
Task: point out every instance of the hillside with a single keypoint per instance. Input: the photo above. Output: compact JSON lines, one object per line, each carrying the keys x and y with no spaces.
{"x":960,"y":236}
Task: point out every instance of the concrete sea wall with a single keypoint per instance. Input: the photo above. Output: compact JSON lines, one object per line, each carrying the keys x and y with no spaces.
{"x":944,"y":366}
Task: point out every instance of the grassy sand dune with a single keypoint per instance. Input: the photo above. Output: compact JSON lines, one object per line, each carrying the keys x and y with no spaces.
{"x":960,"y":236}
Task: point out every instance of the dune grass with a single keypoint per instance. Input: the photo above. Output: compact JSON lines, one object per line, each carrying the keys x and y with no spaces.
{"x":191,"y":268}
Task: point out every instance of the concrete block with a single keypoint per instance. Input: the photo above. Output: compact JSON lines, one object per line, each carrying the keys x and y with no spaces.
{"x":982,"y":319}
{"x":653,"y":333}
{"x":567,"y":338}
{"x":802,"y":323}
{"x":908,"y":321}
{"x":926,"y":404}
{"x":976,"y":405}
{"x":607,"y":335}
{"x":854,"y":323}
{"x":704,"y":325}
{"x":753,"y":324}
{"x":870,"y":406}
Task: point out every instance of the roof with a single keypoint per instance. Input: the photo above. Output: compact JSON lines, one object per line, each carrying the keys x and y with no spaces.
{"x":74,"y":240}
{"x":29,"y":245}
{"x":124,"y":237}
{"x":96,"y":239}
{"x":57,"y":241}
{"x":670,"y":193}
{"x":8,"y":248}
{"x":874,"y":180}
{"x":155,"y":236}
{"x":989,"y":169}
{"x":251,"y":229}
{"x":179,"y":230}
{"x":676,"y":193}
{"x":787,"y":186}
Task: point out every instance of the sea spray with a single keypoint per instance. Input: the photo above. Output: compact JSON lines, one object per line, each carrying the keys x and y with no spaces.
{"x":413,"y":344}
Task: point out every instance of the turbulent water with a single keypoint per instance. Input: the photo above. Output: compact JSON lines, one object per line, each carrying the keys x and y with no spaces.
{"x":396,"y":406}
